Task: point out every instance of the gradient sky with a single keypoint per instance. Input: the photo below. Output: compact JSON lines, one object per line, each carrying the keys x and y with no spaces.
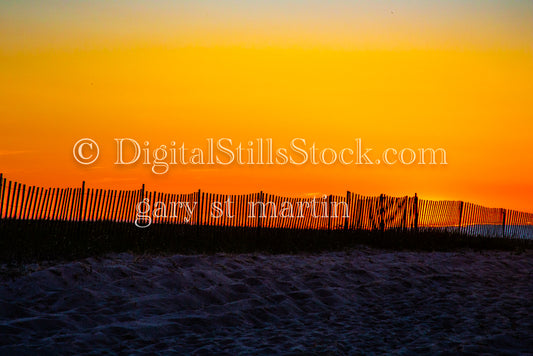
{"x":451,"y":74}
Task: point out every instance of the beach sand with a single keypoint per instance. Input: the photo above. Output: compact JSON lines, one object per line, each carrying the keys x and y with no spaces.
{"x":362,"y":301}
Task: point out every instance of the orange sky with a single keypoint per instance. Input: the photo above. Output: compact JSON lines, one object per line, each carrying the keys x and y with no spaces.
{"x":436,"y":75}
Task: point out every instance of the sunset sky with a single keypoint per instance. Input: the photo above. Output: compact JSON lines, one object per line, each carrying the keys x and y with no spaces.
{"x":450,"y":74}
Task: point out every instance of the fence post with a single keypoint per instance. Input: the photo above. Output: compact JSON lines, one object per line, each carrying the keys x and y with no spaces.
{"x":80,"y":212}
{"x":1,"y":193}
{"x":199,"y":207}
{"x":198,"y":212}
{"x":381,"y":213}
{"x":504,"y":212}
{"x":460,"y":215}
{"x":141,"y":193}
{"x":347,"y":212}
{"x":416,"y":213}
{"x":329,"y":212}
{"x":260,"y":212}
{"x":358,"y":213}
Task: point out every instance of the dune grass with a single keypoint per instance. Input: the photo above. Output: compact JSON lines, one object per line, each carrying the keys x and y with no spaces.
{"x":23,"y":240}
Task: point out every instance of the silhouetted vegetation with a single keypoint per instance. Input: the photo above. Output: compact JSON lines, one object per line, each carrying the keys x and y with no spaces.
{"x":23,"y":240}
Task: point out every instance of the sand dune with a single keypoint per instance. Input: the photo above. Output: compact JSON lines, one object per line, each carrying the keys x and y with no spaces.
{"x":359,"y":301}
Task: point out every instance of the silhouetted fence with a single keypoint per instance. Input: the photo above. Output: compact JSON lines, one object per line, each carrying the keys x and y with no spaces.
{"x":261,"y":210}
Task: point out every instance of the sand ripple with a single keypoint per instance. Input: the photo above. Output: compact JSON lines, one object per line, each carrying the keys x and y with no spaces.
{"x":359,"y":301}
